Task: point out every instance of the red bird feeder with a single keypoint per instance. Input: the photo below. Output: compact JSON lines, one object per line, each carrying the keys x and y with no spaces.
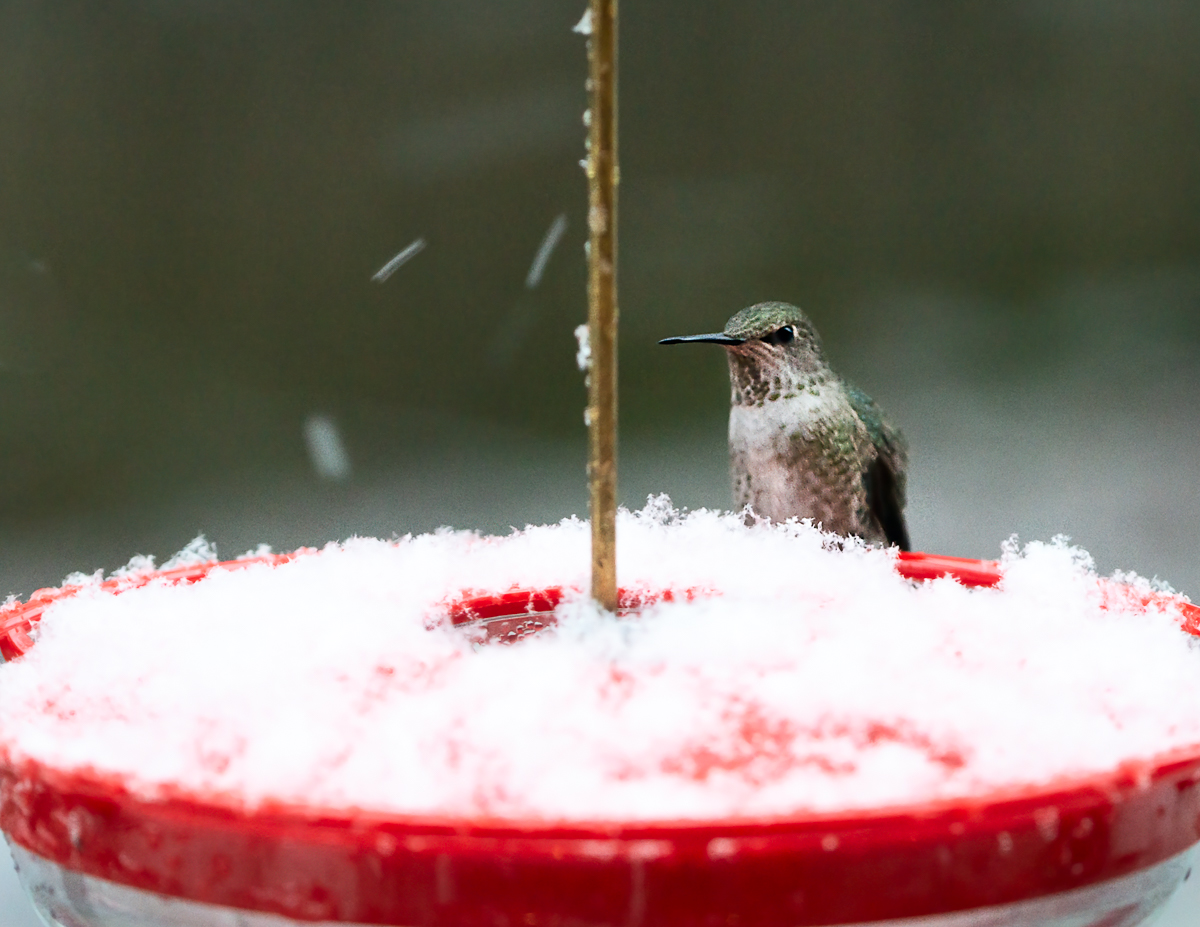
{"x":1102,"y":851}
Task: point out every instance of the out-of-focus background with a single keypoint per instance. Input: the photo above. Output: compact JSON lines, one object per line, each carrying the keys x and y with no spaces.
{"x":990,"y":210}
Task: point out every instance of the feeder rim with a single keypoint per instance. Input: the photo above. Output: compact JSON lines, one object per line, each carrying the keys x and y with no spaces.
{"x":1080,"y":791}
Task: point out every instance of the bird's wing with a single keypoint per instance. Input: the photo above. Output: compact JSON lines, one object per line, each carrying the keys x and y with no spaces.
{"x":885,"y":476}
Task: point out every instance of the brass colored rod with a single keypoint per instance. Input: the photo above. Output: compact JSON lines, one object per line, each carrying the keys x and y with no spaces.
{"x":603,"y":176}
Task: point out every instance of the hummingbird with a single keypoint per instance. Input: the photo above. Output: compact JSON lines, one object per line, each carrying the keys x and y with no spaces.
{"x":803,"y":442}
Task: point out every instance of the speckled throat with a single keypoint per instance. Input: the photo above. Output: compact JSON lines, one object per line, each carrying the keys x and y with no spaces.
{"x":756,"y":376}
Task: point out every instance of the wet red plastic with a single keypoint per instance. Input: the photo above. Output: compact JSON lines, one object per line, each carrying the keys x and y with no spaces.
{"x":313,"y":863}
{"x":917,"y":565}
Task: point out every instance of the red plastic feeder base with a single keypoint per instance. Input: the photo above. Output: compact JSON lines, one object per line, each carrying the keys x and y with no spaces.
{"x":1104,"y":851}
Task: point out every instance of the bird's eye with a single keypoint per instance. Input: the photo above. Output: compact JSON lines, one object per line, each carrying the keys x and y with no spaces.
{"x":781,"y":335}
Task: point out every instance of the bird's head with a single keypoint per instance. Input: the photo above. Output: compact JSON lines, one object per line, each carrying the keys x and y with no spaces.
{"x":772,"y":347}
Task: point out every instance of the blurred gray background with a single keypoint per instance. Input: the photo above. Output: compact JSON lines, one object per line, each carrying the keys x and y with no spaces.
{"x":991,"y":210}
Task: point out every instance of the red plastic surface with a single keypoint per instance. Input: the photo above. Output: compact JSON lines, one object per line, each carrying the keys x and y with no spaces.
{"x":917,"y":565}
{"x":323,"y":864}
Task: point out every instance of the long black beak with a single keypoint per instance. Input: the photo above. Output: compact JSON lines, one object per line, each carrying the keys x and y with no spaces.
{"x":715,"y":338}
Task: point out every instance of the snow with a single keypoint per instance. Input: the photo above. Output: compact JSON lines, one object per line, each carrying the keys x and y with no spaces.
{"x":806,"y":675}
{"x":545,"y":250}
{"x":326,"y":449}
{"x":583,"y":357}
{"x":407,"y":254}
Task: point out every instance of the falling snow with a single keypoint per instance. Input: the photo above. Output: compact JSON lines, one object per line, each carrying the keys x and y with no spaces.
{"x":399,"y":260}
{"x":326,"y":450}
{"x":545,"y":250}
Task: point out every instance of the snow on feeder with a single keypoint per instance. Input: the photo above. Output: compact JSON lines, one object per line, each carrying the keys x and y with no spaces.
{"x":764,"y":725}
{"x":775,"y":731}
